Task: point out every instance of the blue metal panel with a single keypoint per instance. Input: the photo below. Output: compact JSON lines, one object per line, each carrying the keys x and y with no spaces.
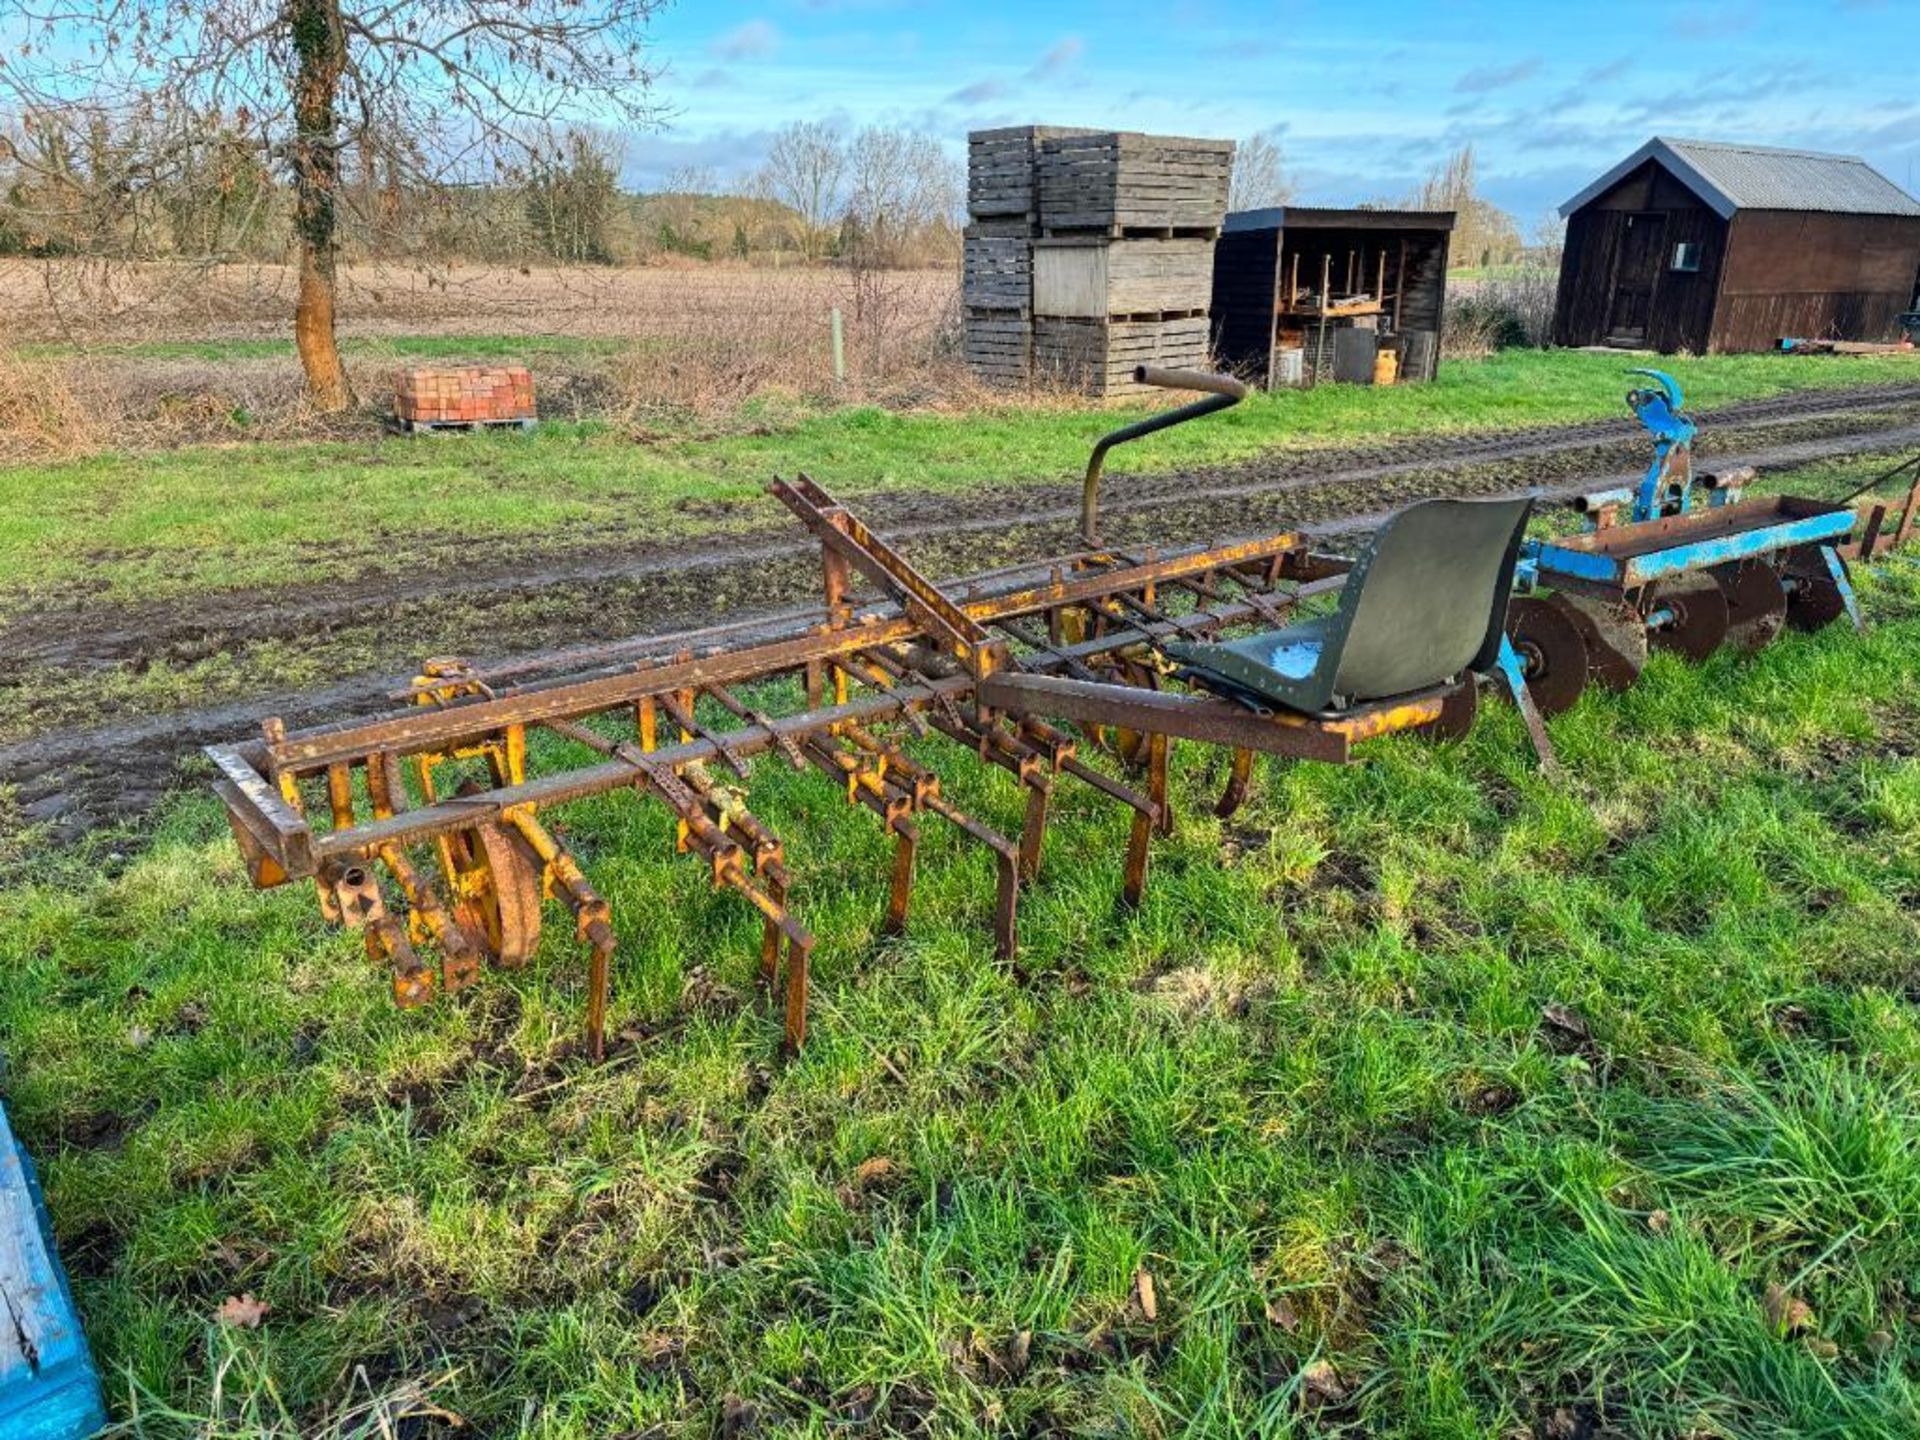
{"x":1551,"y":560}
{"x":49,"y":1389}
{"x":1723,"y":549}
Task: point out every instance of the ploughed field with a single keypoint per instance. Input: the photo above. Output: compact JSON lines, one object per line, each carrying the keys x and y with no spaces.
{"x":1426,"y":1096}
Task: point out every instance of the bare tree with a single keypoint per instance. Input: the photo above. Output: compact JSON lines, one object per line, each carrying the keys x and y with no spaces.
{"x":1483,"y":233}
{"x":805,"y":171}
{"x":1549,"y":238}
{"x":571,"y":193}
{"x":901,"y":186}
{"x":1259,"y":175}
{"x":430,"y":89}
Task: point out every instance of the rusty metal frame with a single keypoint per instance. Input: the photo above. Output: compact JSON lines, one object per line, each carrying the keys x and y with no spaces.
{"x":986,"y":664}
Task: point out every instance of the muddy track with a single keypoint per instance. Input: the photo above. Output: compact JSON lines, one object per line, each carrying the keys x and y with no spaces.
{"x":74,"y":779}
{"x":80,"y":632}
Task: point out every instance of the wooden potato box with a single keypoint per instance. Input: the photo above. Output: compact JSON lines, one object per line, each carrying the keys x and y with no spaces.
{"x":1123,"y":181}
{"x":1094,"y":276}
{"x":1098,"y":357}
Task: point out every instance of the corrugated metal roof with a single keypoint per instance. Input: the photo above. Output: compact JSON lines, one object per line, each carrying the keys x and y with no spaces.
{"x":1759,"y":177}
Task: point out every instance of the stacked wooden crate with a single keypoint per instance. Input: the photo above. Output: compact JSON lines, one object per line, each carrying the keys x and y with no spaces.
{"x":1117,"y":182}
{"x":1003,"y":216}
{"x":1106,"y":237}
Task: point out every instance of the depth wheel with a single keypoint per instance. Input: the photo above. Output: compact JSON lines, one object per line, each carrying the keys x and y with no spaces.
{"x":496,"y":878}
{"x":1814,"y":598}
{"x":1692,"y":615}
{"x":1552,"y":652}
{"x":1616,"y":638}
{"x":1756,"y":604}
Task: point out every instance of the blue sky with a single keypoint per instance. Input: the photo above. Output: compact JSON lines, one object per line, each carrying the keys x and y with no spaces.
{"x":1363,"y":99}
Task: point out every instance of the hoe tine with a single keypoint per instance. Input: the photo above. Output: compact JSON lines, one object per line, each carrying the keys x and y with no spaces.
{"x":799,"y":978}
{"x":599,"y":983}
{"x":1145,"y":822}
{"x":1006,"y":870}
{"x":1238,"y":779}
{"x":900,"y":892}
{"x":1033,"y":831}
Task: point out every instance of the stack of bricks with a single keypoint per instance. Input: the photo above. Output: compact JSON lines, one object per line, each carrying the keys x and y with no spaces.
{"x":465,"y":395}
{"x":1088,"y":253}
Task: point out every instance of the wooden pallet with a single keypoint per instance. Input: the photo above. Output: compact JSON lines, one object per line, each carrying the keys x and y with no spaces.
{"x":1208,"y":233}
{"x":448,"y":427}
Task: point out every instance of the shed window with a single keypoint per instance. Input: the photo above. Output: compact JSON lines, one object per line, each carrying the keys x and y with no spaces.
{"x":1686,"y":256}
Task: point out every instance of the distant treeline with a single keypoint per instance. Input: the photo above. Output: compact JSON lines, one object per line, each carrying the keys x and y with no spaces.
{"x":78,"y":183}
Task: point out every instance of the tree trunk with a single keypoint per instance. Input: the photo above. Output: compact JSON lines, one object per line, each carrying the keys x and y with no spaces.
{"x":320,"y":50}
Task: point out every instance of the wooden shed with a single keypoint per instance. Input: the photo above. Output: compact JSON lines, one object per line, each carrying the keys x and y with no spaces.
{"x":1708,"y":247}
{"x":1296,"y":278}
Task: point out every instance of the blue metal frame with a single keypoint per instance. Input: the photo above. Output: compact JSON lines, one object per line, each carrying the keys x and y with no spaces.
{"x":1546,"y":560}
{"x":1662,"y":411}
{"x":1837,"y":568}
{"x":1667,"y":489}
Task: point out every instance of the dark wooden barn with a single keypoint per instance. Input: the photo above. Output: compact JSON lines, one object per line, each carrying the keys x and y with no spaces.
{"x":1329,"y":285}
{"x":1700,"y":246}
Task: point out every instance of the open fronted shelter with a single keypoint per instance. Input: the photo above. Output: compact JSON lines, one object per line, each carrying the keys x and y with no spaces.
{"x":1709,"y":247}
{"x":1302,"y":279}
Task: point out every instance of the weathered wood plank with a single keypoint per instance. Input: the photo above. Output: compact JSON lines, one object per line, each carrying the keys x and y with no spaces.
{"x":48,"y":1387}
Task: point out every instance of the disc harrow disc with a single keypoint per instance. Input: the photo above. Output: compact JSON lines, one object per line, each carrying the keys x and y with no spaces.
{"x":1616,"y":638}
{"x":497,"y":877}
{"x":1551,"y":650}
{"x":1814,"y":600}
{"x":1756,"y":604}
{"x":1692,"y":611}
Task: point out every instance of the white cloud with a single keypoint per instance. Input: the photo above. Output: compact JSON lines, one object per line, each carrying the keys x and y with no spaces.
{"x":978,"y":93}
{"x":752,"y":41}
{"x":1062,"y":55}
{"x":1497,"y":77}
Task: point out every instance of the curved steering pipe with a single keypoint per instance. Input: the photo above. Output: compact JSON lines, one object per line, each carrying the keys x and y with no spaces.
{"x":1222,"y":392}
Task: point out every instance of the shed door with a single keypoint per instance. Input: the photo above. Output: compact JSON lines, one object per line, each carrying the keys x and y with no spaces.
{"x":1636,"y":270}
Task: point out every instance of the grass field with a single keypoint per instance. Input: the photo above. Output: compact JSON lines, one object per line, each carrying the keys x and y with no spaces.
{"x":1427,"y":1097}
{"x":1433,"y":1098}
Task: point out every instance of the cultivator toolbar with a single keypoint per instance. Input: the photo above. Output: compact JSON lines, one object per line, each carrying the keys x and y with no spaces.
{"x":443,"y":806}
{"x":428,"y":828}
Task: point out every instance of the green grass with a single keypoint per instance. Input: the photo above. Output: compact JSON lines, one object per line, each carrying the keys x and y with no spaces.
{"x":1508,"y":1099}
{"x":154,"y":526}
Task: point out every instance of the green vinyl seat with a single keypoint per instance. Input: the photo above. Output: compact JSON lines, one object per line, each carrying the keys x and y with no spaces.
{"x":1425,"y":604}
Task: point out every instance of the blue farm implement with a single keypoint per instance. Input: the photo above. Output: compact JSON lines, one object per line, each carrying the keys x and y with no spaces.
{"x":1679,"y":563}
